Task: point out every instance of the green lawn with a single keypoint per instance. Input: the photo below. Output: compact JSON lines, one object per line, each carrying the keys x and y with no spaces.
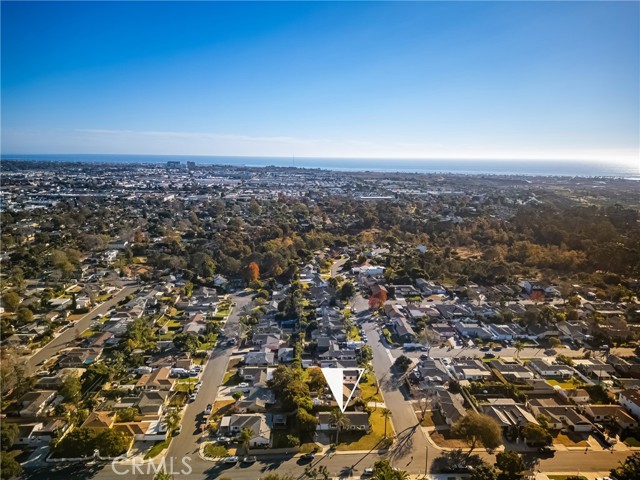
{"x":569,"y":384}
{"x":215,"y":451}
{"x":157,"y":449}
{"x":351,"y":440}
{"x":230,"y":379}
{"x":185,"y":384}
{"x":632,"y":442}
{"x":368,"y":387}
{"x":87,"y":333}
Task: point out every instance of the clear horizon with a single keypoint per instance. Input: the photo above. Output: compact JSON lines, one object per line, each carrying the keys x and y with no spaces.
{"x":420,"y":81}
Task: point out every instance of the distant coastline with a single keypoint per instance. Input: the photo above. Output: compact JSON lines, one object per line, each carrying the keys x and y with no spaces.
{"x":462,"y":167}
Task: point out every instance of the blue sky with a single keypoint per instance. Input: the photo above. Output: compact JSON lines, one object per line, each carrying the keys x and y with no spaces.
{"x":412,"y":80}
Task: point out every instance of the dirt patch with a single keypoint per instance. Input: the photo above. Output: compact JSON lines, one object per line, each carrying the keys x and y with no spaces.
{"x":445,"y":439}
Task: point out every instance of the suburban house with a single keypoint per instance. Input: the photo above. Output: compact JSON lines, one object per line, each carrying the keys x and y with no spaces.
{"x":34,"y":404}
{"x":257,"y":359}
{"x":507,"y":412}
{"x":549,"y":370}
{"x":257,"y":423}
{"x":576,"y":395}
{"x":512,"y":371}
{"x":610,"y":414}
{"x":471,"y":369}
{"x":159,"y":379}
{"x":100,"y":420}
{"x":449,"y":406}
{"x":355,"y":421}
{"x":630,"y":399}
{"x":562,"y":416}
{"x":79,"y":357}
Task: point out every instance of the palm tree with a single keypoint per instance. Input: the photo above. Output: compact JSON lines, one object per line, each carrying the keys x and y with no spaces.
{"x":162,"y":475}
{"x":340,"y":421}
{"x":246,"y":434}
{"x":173,"y":420}
{"x":386,"y":414}
{"x":519,"y":346}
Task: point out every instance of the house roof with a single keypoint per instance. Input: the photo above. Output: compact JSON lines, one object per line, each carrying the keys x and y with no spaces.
{"x":632,"y":395}
{"x":355,"y":418}
{"x":100,"y":420}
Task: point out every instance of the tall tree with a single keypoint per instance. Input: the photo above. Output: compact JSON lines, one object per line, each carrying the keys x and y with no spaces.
{"x":10,"y":301}
{"x":484,"y":471}
{"x":71,"y":387}
{"x":519,"y":346}
{"x":478,"y":429}
{"x":382,"y":470}
{"x":246,"y":434}
{"x":386,"y":414}
{"x":339,"y":419}
{"x":253,"y":272}
{"x":9,"y":435}
{"x":629,"y":470}
{"x":511,"y":464}
{"x":9,"y":468}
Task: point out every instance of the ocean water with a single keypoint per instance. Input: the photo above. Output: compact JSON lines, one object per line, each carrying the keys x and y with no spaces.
{"x":470,"y":167}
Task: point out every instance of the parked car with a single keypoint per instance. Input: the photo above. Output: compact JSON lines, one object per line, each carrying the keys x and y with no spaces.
{"x":250,"y":459}
{"x":496,"y":349}
{"x":192,"y":397}
{"x":209,"y":409}
{"x":489,"y":355}
{"x":308,"y":456}
{"x":367,"y":472}
{"x":243,"y":385}
{"x":231,"y":460}
{"x":485,"y":349}
{"x":547,"y":450}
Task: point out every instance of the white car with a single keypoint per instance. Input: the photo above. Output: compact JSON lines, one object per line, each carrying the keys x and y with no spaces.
{"x":209,"y":409}
{"x":243,"y":385}
{"x":232,"y":459}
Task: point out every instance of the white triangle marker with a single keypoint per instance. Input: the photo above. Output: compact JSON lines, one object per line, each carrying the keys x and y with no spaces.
{"x":335,"y":380}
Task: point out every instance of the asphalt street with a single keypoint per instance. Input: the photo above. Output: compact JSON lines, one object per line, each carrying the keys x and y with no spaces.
{"x":412,"y":451}
{"x":66,"y":338}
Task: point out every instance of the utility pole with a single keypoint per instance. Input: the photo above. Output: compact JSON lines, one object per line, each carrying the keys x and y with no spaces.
{"x":426,"y":460}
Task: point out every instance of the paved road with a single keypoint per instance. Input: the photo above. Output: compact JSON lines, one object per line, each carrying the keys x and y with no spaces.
{"x":412,"y":454}
{"x":412,"y":449}
{"x":187,"y":442}
{"x":65,"y":339}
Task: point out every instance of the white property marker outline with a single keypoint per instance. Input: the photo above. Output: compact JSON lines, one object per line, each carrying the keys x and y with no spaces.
{"x":335,"y":380}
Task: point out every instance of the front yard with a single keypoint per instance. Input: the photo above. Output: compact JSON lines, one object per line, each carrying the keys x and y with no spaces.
{"x":571,"y":439}
{"x":369,"y":388}
{"x":352,"y":440}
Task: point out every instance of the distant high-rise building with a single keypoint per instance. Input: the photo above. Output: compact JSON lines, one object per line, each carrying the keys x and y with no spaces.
{"x":191,"y":165}
{"x":173,"y":164}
